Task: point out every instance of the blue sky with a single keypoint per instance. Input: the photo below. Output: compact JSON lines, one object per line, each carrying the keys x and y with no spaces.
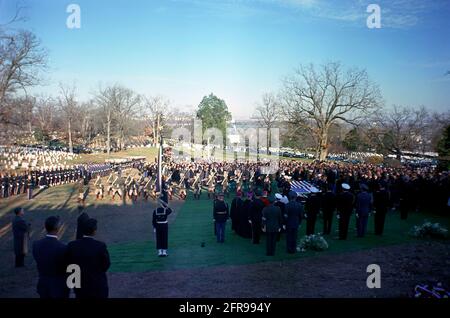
{"x":240,"y":49}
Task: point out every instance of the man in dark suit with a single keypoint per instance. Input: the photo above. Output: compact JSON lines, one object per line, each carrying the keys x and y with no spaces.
{"x":272,"y":220}
{"x":50,"y":256}
{"x":93,"y":258}
{"x":293,"y":212}
{"x":81,"y":220}
{"x":21,"y":230}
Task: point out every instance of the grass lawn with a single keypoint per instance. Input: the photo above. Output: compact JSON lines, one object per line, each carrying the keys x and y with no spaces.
{"x":194,"y":226}
{"x":149,"y":153}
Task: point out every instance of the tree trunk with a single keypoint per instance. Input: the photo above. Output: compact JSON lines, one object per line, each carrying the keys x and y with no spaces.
{"x":157,"y":129}
{"x":70,"y":137}
{"x":108,"y":134}
{"x":323,"y":145}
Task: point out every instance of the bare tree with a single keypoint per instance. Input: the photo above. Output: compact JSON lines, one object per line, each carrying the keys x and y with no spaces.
{"x":268,"y":113}
{"x":21,"y":61}
{"x":156,"y":111}
{"x":45,"y":112}
{"x":119,"y":106}
{"x":401,"y":129}
{"x":69,"y":108}
{"x":316,"y":99}
{"x":126,"y":108}
{"x":106,"y":98}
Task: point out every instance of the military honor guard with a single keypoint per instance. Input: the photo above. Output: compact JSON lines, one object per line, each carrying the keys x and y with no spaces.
{"x":345,"y":208}
{"x":221,"y":213}
{"x":161,"y":227}
{"x":98,"y":188}
{"x":363,"y":206}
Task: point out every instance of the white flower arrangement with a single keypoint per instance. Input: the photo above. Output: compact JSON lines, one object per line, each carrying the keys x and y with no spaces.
{"x":428,"y":229}
{"x":314,"y":242}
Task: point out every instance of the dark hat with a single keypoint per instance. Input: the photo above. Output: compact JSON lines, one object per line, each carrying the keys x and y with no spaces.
{"x":90,"y":226}
{"x":51,"y":223}
{"x":364,"y":187}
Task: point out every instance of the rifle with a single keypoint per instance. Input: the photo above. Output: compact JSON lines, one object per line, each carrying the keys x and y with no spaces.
{"x":96,"y":181}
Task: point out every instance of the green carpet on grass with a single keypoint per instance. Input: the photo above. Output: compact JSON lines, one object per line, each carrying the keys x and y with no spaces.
{"x":194,"y":226}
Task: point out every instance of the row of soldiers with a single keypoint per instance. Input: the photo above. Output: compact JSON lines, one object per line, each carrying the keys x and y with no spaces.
{"x":16,"y":184}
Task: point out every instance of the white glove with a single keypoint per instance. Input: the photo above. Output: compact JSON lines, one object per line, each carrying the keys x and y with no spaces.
{"x":338,"y":216}
{"x":284,"y":227}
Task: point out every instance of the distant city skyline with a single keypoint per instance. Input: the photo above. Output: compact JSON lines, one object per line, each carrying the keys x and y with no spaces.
{"x":239,"y":50}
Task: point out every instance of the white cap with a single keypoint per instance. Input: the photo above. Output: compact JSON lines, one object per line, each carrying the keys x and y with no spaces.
{"x":345,"y":186}
{"x":278,"y":196}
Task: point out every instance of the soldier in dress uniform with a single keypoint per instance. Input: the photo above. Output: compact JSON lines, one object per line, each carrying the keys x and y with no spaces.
{"x":312,"y":207}
{"x":221,"y":213}
{"x":197,"y":185}
{"x":211,"y":185}
{"x":98,"y":188}
{"x":161,"y":227}
{"x":381,"y":201}
{"x":328,"y":208}
{"x":345,"y":208}
{"x":363,"y":206}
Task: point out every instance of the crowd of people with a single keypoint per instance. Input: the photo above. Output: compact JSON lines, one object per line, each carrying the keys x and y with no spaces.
{"x":264,"y":204}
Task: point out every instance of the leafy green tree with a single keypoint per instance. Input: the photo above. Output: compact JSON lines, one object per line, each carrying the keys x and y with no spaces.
{"x":213,"y":112}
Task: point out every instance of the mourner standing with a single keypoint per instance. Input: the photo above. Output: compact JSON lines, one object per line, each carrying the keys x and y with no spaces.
{"x":50,"y":256}
{"x":272,"y":221}
{"x":21,"y":232}
{"x":93,"y":258}
{"x":83,"y":217}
